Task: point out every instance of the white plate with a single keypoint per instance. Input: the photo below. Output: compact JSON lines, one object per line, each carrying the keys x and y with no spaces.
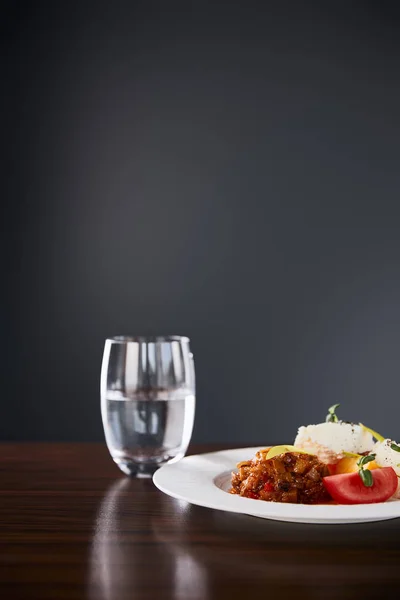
{"x":204,"y":480}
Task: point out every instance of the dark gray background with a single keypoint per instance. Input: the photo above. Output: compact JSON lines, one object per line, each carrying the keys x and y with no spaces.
{"x":222,"y":170}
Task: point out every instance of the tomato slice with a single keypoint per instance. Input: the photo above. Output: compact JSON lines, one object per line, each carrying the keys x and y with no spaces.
{"x":349,"y":488}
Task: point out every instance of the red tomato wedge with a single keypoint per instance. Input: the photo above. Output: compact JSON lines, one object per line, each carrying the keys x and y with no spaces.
{"x":349,"y":488}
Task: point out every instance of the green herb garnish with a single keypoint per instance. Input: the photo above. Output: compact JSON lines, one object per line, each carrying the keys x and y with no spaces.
{"x":395,"y":447}
{"x":364,"y":460}
{"x":331,"y":416}
{"x":366,"y":475}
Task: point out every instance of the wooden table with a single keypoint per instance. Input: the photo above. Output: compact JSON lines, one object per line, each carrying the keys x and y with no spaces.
{"x":72,"y":526}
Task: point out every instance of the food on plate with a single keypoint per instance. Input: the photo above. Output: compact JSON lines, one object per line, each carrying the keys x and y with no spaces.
{"x":333,"y":461}
{"x":387,"y":453}
{"x":288,"y":477}
{"x":330,"y":441}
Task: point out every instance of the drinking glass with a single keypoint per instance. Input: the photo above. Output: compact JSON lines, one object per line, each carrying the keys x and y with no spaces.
{"x":147,"y":401}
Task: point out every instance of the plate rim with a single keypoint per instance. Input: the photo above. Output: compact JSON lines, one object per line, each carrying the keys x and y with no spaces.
{"x":192,"y":479}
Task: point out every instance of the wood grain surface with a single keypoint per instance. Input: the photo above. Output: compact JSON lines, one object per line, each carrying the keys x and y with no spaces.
{"x":72,"y":526}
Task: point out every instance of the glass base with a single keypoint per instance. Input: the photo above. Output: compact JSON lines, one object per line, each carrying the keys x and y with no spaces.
{"x":139,"y":470}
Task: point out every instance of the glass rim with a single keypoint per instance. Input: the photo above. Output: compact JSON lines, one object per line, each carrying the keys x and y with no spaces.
{"x":146,"y":339}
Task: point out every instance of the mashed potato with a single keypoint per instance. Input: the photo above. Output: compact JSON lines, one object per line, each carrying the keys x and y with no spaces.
{"x":386,"y":457}
{"x":329,"y":441}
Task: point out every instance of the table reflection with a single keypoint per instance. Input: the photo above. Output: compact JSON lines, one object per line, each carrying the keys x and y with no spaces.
{"x":107,"y":555}
{"x":119,"y":562}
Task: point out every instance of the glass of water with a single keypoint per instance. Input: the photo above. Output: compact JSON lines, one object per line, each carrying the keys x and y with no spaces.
{"x":147,"y":401}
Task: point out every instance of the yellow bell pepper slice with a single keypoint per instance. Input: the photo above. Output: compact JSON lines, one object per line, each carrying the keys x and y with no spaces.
{"x":277,"y":450}
{"x":376,"y":435}
{"x":351,"y":455}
